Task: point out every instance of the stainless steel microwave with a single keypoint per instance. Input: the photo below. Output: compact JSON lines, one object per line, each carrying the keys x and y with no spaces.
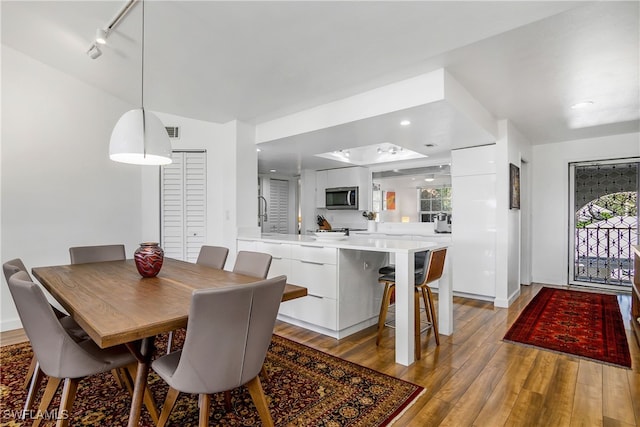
{"x":342,"y":198}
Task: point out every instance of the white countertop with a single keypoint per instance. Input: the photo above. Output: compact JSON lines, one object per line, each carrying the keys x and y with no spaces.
{"x":400,"y":233}
{"x":352,"y":242}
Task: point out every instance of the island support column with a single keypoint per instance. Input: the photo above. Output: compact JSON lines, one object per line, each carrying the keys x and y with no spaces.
{"x":445,"y":301}
{"x":405,"y":270}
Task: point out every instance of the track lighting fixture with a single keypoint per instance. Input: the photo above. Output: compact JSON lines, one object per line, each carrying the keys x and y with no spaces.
{"x":103,"y":33}
{"x":94,"y":51}
{"x":101,"y":36}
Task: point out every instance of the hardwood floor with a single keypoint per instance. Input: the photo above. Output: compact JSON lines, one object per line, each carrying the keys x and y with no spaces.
{"x":475,"y":379}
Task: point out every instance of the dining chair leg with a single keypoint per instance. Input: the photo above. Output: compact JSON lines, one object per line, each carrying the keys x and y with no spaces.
{"x":416,"y":324}
{"x":205,"y":404}
{"x":47,"y":397}
{"x":227,"y":401}
{"x":66,"y":401}
{"x":36,"y":381}
{"x":32,"y":368}
{"x":433,"y":314}
{"x":264,"y":373}
{"x":260,"y":401}
{"x":169,"y":342}
{"x":167,"y":406}
{"x":117,"y":376}
{"x":384,"y":307}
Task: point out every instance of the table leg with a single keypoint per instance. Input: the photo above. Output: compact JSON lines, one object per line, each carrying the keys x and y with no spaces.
{"x":405,"y":308}
{"x":143,"y":354}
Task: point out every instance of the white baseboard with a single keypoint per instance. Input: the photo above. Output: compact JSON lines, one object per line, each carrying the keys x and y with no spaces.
{"x":10,"y":325}
{"x":505,"y":303}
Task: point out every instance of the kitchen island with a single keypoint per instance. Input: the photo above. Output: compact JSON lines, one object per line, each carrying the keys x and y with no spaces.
{"x":342,"y":281}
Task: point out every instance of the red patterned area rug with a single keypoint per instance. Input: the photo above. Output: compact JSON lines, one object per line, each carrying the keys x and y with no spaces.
{"x":583,"y":324}
{"x":306,"y":387}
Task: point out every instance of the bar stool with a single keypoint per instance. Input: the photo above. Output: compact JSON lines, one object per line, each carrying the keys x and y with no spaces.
{"x":432,"y":272}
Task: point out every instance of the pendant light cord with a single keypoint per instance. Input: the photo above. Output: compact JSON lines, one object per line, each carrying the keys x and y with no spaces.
{"x":142,"y":85}
{"x":144,"y":124}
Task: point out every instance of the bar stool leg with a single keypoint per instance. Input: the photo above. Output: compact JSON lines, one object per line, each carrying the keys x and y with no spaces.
{"x":434,"y":322}
{"x":384,"y":307}
{"x":416,"y":317}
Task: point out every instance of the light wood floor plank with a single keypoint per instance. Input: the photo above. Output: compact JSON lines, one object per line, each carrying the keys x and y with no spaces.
{"x":617,"y":400}
{"x":587,"y":401}
{"x":497,"y":408}
{"x":559,"y":397}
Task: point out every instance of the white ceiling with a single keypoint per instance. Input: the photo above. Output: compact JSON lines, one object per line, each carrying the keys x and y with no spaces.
{"x":255,"y":61}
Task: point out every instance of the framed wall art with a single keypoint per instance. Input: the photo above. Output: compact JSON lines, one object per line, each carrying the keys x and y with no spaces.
{"x":514,"y":186}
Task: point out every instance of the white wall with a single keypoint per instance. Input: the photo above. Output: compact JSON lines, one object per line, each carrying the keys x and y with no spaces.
{"x":511,"y":148}
{"x":550,"y":211}
{"x":194,"y":135}
{"x":59,"y":188}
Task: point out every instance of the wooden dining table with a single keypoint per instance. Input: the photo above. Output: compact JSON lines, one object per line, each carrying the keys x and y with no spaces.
{"x":115,"y":305}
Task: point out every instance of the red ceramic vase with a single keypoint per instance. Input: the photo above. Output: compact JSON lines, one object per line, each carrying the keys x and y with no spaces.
{"x":148,"y":258}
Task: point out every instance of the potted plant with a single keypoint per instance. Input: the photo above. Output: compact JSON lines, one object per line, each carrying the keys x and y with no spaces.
{"x":371,"y":220}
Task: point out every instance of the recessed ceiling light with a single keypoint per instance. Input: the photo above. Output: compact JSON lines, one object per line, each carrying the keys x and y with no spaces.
{"x":272,"y":170}
{"x":429,"y":179}
{"x":581,"y":104}
{"x":258,"y":150}
{"x":405,"y":123}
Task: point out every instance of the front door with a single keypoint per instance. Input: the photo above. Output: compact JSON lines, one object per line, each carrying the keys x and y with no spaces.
{"x":604,"y":222}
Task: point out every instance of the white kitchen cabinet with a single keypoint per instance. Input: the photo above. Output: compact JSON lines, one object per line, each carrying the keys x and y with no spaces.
{"x":244,"y":245}
{"x":313,"y":310}
{"x":321,"y":186}
{"x":280,"y":258}
{"x":309,"y":266}
{"x":319,"y":279}
{"x":473,"y":202}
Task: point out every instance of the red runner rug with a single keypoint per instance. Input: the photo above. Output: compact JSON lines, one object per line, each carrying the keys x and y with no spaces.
{"x":582,"y":324}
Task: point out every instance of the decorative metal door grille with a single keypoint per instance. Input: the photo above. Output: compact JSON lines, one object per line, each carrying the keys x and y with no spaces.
{"x":606,"y":222}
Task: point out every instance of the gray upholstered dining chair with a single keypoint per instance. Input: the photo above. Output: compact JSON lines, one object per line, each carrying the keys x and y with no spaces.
{"x":60,"y":357}
{"x":227,"y":339}
{"x":85,"y":254}
{"x":254,"y":264}
{"x":213,"y":256}
{"x":34,"y":378}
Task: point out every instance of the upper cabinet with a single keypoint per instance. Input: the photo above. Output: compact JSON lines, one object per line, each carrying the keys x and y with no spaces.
{"x":344,"y":177}
{"x":321,"y":185}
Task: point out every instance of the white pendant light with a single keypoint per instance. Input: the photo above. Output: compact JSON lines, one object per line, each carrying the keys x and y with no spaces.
{"x":139,"y":137}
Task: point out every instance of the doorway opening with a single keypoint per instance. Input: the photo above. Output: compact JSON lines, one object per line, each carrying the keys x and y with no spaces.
{"x":604,"y":222}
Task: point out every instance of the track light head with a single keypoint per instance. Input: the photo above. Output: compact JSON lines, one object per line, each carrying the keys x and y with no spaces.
{"x":101,"y":36}
{"x":94,"y":51}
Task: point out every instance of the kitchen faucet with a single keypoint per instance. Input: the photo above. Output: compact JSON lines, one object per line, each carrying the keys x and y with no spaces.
{"x":262,"y":216}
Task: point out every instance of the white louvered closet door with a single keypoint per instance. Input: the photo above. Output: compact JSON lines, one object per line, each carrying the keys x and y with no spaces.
{"x":279,"y":206}
{"x":184,"y":205}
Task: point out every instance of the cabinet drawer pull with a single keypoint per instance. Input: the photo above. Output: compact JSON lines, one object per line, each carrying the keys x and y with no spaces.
{"x":310,"y":246}
{"x":311,"y":262}
{"x":276,"y":257}
{"x":315,"y":296}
